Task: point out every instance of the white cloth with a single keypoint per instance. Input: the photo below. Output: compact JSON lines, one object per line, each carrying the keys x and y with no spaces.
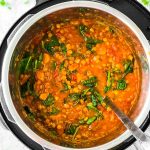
{"x":7,"y":17}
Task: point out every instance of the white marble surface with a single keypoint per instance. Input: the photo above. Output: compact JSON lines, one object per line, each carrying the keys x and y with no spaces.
{"x":7,"y":17}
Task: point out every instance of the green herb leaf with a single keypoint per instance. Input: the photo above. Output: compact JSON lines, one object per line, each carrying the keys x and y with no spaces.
{"x":97,"y":95}
{"x":25,"y":65}
{"x":71,"y":129}
{"x":63,"y":48}
{"x":128,"y":67}
{"x":91,"y":82}
{"x":53,"y":65}
{"x":94,"y":100}
{"x":66,"y":87}
{"x":37,"y":63}
{"x":98,"y":113}
{"x":90,"y":43}
{"x":83,"y":94}
{"x":49,"y":100}
{"x":54,"y":111}
{"x":91,"y":120}
{"x":53,"y":133}
{"x":74,"y":96}
{"x":81,"y":121}
{"x":30,"y":115}
{"x":91,"y":107}
{"x":121,"y":84}
{"x":62,"y":65}
{"x":109,"y":82}
{"x":50,"y":46}
{"x":83,"y":29}
{"x":24,"y":89}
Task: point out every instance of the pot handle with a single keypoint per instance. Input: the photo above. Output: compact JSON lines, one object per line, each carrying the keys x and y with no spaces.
{"x":4,"y":106}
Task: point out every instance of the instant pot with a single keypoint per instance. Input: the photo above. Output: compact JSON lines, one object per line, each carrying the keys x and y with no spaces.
{"x":133,"y":14}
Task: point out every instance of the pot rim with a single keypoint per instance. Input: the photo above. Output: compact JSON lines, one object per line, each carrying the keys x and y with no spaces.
{"x":6,"y":62}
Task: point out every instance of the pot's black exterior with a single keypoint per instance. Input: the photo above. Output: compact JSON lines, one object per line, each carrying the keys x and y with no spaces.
{"x":130,"y":8}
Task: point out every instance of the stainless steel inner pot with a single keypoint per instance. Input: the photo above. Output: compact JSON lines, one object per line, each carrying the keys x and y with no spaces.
{"x":13,"y":49}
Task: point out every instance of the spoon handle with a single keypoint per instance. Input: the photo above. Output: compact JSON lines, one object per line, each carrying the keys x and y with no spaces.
{"x":136,"y":132}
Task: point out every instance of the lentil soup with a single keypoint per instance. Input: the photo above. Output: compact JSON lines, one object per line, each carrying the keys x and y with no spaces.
{"x":67,"y":70}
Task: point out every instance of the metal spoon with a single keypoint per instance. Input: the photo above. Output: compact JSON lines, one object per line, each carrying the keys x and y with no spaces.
{"x":136,"y":131}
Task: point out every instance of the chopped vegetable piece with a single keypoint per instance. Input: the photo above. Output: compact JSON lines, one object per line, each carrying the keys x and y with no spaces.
{"x":94,"y":100}
{"x":83,"y":29}
{"x":97,"y":95}
{"x":54,"y":111}
{"x":50,"y":46}
{"x":74,"y":96}
{"x":62,"y":65}
{"x":91,"y":120}
{"x":49,"y":100}
{"x":53,"y":133}
{"x":66,"y":87}
{"x":53,"y":65}
{"x":81,"y":121}
{"x":63,"y":48}
{"x":30,"y":115}
{"x":91,"y":82}
{"x":25,"y":65}
{"x":23,"y":89}
{"x":91,"y":107}
{"x":128,"y":67}
{"x":83,"y":94}
{"x":109,"y":82}
{"x":121,"y":84}
{"x":90,"y":43}
{"x":71,"y":129}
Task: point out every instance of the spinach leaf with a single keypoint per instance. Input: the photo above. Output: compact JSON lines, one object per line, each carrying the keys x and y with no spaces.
{"x":83,"y":94}
{"x":128,"y":67}
{"x":121,"y":84}
{"x":53,"y":65}
{"x":53,"y":133}
{"x":54,"y":111}
{"x":63,"y":48}
{"x":37,"y":63}
{"x":24,"y":89}
{"x":90,"y":106}
{"x":83,"y":29}
{"x":71,"y":129}
{"x":66,"y":87}
{"x":97,"y":95}
{"x":91,"y":82}
{"x":109,"y":82}
{"x":81,"y":121}
{"x":75,"y":96}
{"x":90,"y":42}
{"x":94,"y":100}
{"x":25,"y":65}
{"x":50,"y":46}
{"x":30,"y":115}
{"x":91,"y":120}
{"x":49,"y":100}
{"x":62,"y":65}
